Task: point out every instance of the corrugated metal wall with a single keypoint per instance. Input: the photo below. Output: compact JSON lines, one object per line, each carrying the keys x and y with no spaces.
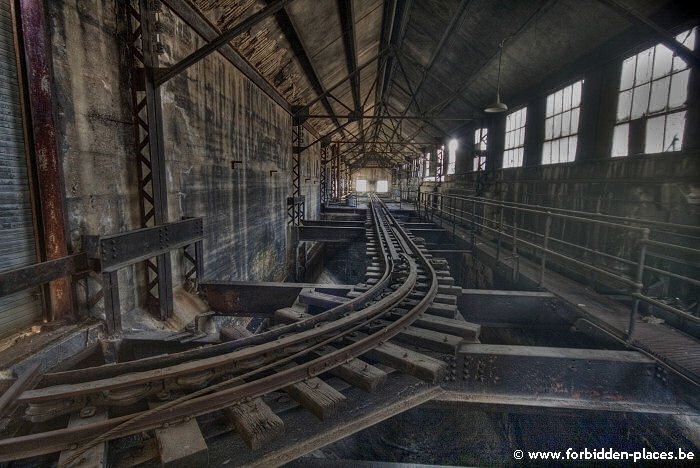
{"x":17,"y":244}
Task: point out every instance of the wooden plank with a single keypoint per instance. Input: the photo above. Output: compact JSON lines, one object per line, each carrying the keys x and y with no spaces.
{"x":356,"y":372}
{"x":429,"y":339}
{"x":93,"y":457}
{"x":318,"y":299}
{"x":407,"y":361}
{"x":317,"y":396}
{"x":255,"y":422}
{"x":461,"y":328}
{"x":181,"y":445}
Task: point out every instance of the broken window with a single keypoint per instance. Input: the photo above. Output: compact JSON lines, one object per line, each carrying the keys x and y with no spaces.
{"x":561,"y":124}
{"x":382,"y":186}
{"x":452,"y":156}
{"x":515,"y":138}
{"x":654,"y":88}
{"x":360,"y":185}
{"x":480,"y":142}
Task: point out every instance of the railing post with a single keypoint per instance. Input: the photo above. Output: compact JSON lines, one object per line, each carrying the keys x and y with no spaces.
{"x":639,"y":282}
{"x":547,"y":226}
{"x":473,"y":236}
{"x":515,"y":247}
{"x":500,"y":234}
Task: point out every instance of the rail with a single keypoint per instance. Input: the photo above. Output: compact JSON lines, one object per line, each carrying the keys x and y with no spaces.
{"x":532,"y":227}
{"x":245,"y":368}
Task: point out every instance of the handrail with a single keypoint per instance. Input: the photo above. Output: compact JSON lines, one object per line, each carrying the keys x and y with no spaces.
{"x":430,"y":203}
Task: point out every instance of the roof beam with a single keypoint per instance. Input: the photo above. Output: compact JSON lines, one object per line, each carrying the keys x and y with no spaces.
{"x":347,"y":22}
{"x":290,"y":33}
{"x":664,"y":36}
{"x":273,"y":7}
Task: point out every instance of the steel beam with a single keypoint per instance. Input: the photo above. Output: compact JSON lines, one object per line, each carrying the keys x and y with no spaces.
{"x":259,"y":299}
{"x":48,"y":165}
{"x":664,"y":36}
{"x":594,"y":374}
{"x":274,"y":6}
{"x":331,"y":233}
{"x":31,"y":276}
{"x":196,"y":20}
{"x":347,"y":22}
{"x":290,"y":33}
{"x":116,"y":251}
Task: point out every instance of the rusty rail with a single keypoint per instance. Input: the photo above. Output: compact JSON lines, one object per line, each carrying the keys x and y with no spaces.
{"x":259,"y":354}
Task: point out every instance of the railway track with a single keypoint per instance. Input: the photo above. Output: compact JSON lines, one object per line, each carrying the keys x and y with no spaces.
{"x":401,"y":287}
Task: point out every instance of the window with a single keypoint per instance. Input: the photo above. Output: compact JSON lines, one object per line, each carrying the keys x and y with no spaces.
{"x":452,"y":156}
{"x":480,"y":142}
{"x":382,"y":186}
{"x":653,"y":88}
{"x":515,"y":138}
{"x":561,"y":124}
{"x":426,"y":168}
{"x":360,"y":185}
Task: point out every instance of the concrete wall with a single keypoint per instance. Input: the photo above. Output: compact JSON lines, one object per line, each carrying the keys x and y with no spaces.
{"x":213,"y":116}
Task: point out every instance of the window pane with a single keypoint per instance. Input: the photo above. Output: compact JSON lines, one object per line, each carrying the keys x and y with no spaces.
{"x":550,"y":105}
{"x":640,"y":101}
{"x":620,"y":137}
{"x":557,"y":101}
{"x":360,"y":185}
{"x":675,"y":123}
{"x":659,"y":93}
{"x":566,"y":123}
{"x":643,"y":73}
{"x":662,"y":61}
{"x":567,"y":98}
{"x":679,"y":89}
{"x":687,"y":38}
{"x":574,"y":120}
{"x":547,"y":152}
{"x":572,"y":148}
{"x":557,"y":126}
{"x":655,"y":135}
{"x":548,"y":128}
{"x":624,"y":103}
{"x":576,"y":94}
{"x":627,"y":76}
{"x":521,"y":137}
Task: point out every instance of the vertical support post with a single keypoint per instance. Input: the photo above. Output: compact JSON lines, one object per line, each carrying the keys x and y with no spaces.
{"x":110,"y":289}
{"x":639,"y":280}
{"x":199,"y":259}
{"x":324,"y":176}
{"x":148,"y":132}
{"x":515,"y":247}
{"x":500,"y":234}
{"x":543,"y":260}
{"x":295,"y":205}
{"x":37,"y":56}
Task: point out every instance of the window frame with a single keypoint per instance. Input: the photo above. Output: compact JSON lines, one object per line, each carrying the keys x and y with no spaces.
{"x":561,"y":114}
{"x":518,"y":162}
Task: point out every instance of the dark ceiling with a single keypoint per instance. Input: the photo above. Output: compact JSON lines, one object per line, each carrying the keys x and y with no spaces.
{"x":443,"y":52}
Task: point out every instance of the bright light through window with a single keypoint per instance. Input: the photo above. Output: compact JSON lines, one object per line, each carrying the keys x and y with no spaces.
{"x":360,"y":185}
{"x":515,"y":138}
{"x":480,"y":142}
{"x":561,"y":124}
{"x":654,"y":88}
{"x":452,"y":156}
{"x":382,"y":186}
{"x":427,"y":175}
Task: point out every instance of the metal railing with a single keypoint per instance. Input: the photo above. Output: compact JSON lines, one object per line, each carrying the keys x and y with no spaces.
{"x":617,"y":248}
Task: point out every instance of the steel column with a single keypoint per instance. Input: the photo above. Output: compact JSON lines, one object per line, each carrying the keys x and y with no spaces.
{"x":148,"y":132}
{"x":48,"y":164}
